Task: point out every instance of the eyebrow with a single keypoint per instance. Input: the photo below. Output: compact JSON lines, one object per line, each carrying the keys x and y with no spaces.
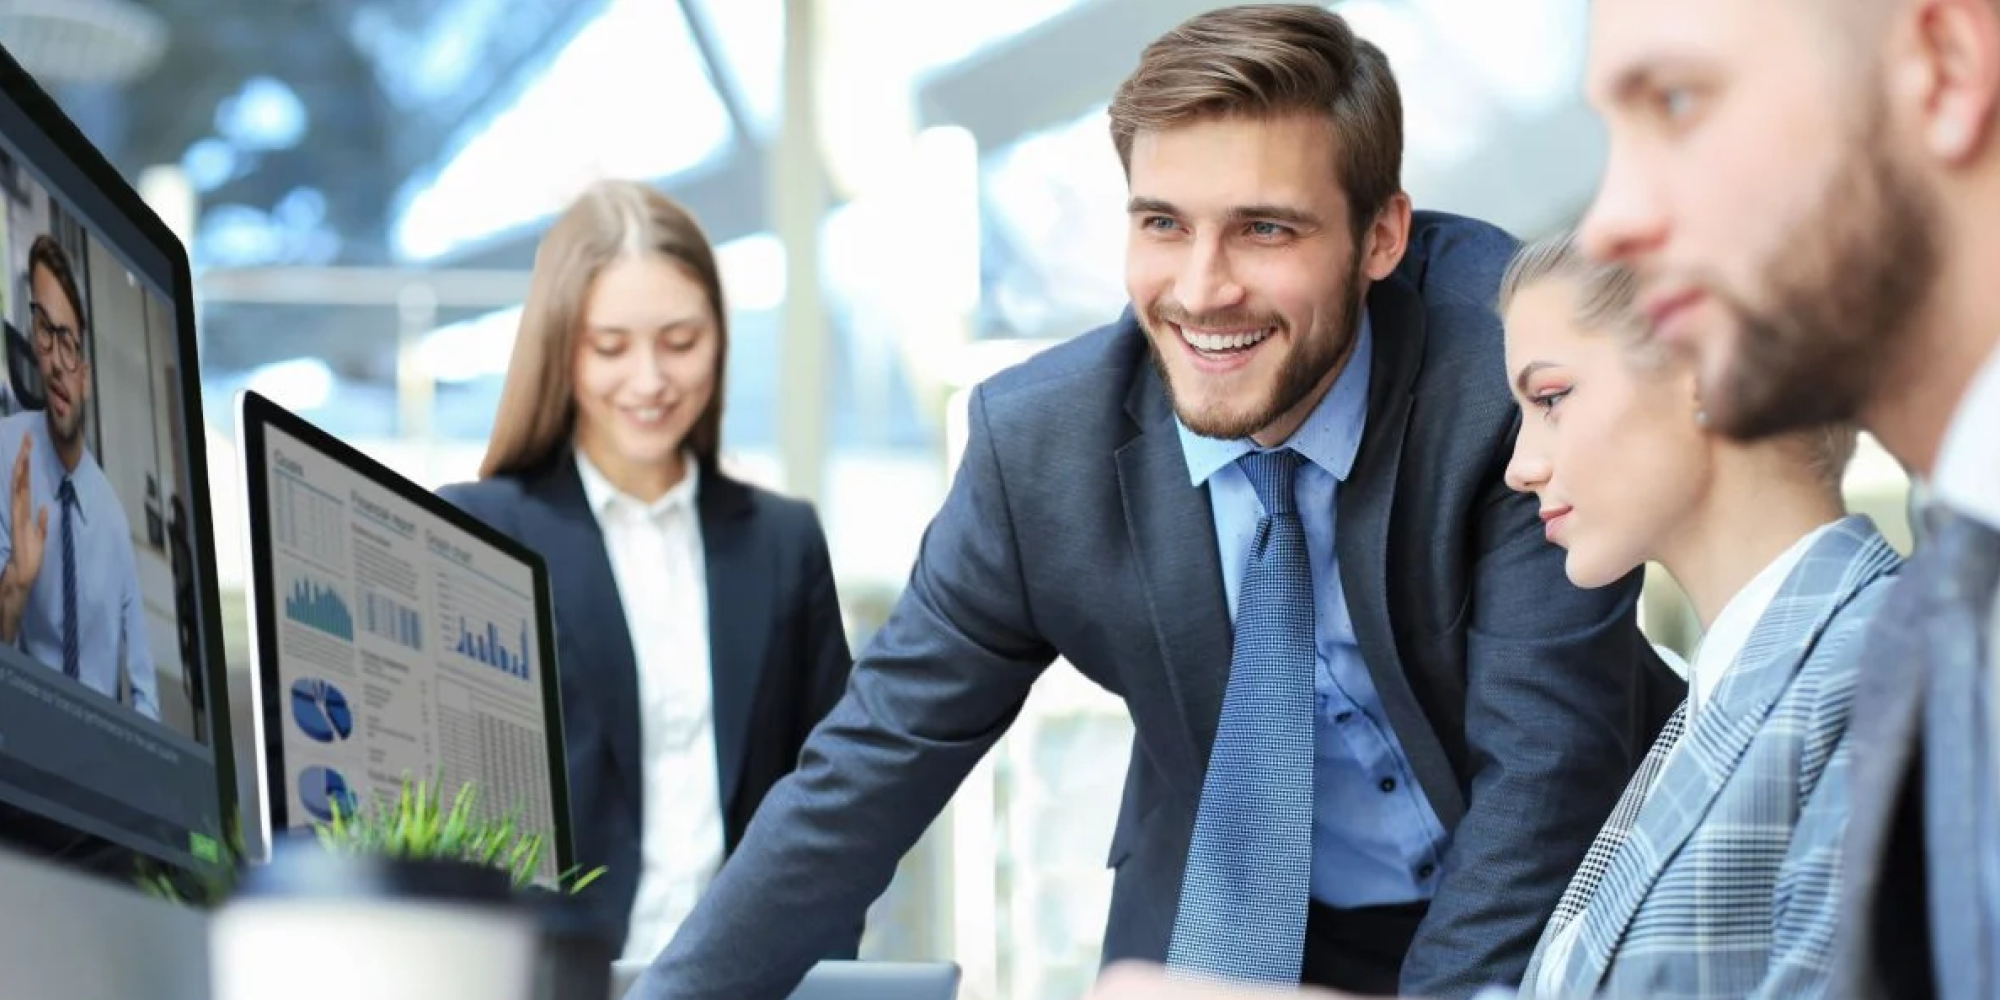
{"x":1240,"y":213}
{"x":1527,"y":372}
{"x":685,"y":322}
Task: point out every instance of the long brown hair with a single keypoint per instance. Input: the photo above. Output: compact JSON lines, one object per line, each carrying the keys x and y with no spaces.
{"x":609,"y":221}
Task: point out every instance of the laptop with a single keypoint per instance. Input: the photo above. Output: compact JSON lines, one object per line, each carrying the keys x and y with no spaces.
{"x":842,"y":980}
{"x":393,"y":635}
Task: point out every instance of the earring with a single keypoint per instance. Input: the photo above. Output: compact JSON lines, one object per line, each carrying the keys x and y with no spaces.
{"x":1701,"y":418}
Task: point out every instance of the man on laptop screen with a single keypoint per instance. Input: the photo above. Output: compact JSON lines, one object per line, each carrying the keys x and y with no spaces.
{"x":69,"y":593}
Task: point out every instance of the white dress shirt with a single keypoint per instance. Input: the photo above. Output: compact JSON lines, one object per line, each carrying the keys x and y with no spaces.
{"x":1720,"y":647}
{"x":657,"y":561}
{"x":1968,"y":467}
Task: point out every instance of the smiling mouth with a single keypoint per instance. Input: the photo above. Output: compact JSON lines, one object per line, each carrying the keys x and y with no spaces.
{"x":645,"y":416}
{"x":1224,"y":342}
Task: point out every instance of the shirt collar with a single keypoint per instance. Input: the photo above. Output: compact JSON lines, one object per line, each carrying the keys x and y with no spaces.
{"x":603,"y":497}
{"x":1329,"y":437}
{"x":52,"y":467}
{"x":1723,"y":643}
{"x":1967,"y":478}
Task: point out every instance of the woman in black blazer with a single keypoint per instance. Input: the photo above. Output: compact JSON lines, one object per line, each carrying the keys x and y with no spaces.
{"x":700,"y":637}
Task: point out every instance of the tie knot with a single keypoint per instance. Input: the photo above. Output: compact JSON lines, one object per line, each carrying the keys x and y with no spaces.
{"x":1271,"y":474}
{"x":67,"y":491}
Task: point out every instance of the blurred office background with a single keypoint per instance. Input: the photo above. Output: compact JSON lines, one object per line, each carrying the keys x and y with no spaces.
{"x":907,"y":194}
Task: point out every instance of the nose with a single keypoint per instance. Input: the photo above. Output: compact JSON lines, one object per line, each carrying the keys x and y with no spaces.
{"x":1206,"y":283}
{"x":1528,"y":468}
{"x":649,"y":368}
{"x":1625,"y":219}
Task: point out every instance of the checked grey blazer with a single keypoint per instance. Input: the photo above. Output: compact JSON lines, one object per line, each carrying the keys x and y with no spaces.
{"x":1723,"y":881}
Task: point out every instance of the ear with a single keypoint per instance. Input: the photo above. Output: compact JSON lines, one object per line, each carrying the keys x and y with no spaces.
{"x":1954,"y":75}
{"x":1387,"y":238}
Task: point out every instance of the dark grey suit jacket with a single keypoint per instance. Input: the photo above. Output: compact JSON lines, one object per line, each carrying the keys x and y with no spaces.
{"x":1071,"y":529}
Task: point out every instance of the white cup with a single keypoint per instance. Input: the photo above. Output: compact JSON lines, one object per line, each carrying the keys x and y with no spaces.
{"x":346,"y":928}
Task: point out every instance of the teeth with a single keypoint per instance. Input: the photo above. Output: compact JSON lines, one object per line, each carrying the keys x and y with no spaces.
{"x":1224,"y":341}
{"x":648,"y":415}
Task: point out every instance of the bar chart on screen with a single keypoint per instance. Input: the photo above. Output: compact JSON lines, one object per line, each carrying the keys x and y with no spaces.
{"x":317,"y":604}
{"x":385,"y":617}
{"x":485,"y":622}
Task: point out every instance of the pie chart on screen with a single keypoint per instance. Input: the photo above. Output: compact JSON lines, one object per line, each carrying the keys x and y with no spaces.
{"x":323,"y":788}
{"x":321,"y":711}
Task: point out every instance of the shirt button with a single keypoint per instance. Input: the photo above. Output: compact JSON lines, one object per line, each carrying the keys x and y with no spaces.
{"x":1388,"y":784}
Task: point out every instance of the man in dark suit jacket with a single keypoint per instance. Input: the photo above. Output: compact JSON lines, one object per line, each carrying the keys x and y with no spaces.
{"x":1465,"y":717}
{"x":1864,"y":293}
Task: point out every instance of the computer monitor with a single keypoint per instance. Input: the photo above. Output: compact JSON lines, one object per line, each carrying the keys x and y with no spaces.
{"x":396,"y":638}
{"x":114,"y":736}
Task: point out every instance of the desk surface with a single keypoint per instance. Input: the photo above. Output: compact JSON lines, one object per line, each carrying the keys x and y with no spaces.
{"x":114,"y":941}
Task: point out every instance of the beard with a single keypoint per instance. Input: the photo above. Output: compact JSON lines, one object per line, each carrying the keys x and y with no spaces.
{"x":1312,"y":358}
{"x":1845,"y":294}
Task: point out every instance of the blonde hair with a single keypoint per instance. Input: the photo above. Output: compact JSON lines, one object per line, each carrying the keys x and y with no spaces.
{"x":1266,"y":60}
{"x":1607,"y":299}
{"x":610,"y":221}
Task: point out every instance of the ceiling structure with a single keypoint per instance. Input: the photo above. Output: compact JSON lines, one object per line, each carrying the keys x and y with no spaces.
{"x":309,"y":126}
{"x":298,"y":121}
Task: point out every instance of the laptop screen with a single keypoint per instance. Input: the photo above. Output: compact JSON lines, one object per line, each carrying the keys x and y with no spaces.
{"x":398,"y":640}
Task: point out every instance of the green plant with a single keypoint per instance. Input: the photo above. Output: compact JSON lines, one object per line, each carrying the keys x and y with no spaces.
{"x":209,"y":882}
{"x":415,"y":826}
{"x":419,"y":826}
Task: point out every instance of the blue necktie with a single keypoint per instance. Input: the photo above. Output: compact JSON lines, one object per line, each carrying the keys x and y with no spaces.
{"x":66,"y":494}
{"x":1242,"y":910}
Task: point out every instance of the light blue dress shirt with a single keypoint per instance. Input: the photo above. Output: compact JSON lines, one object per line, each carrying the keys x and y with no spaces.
{"x":111,"y":614}
{"x":1376,"y":840}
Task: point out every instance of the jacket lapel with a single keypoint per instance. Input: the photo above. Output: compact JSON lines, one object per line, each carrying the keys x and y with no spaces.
{"x":1848,"y":556}
{"x":589,"y":604}
{"x":1173,"y":536}
{"x":1950,"y":634}
{"x":742,"y":599}
{"x":1362,"y":511}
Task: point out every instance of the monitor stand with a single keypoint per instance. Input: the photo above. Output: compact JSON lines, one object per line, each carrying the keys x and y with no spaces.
{"x":65,"y":935}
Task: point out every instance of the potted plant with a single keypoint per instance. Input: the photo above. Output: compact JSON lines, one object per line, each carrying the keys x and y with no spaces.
{"x":418,"y":825}
{"x":416,"y":840}
{"x":575,"y":959}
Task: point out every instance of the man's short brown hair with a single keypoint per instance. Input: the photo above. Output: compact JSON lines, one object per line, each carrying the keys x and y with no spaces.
{"x":1267,"y":60}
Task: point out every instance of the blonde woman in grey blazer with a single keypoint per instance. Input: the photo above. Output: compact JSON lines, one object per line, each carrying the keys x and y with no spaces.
{"x":1717,"y":874}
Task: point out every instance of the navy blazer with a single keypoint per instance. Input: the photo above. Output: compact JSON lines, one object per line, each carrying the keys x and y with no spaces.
{"x":1071,"y":529}
{"x":777,"y":653}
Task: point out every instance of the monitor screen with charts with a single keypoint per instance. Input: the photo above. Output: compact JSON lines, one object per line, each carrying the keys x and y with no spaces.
{"x":396,"y":638}
{"x":114,"y":731}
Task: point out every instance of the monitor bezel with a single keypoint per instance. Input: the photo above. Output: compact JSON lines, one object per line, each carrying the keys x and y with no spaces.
{"x":255,"y":413}
{"x":42,"y":112}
